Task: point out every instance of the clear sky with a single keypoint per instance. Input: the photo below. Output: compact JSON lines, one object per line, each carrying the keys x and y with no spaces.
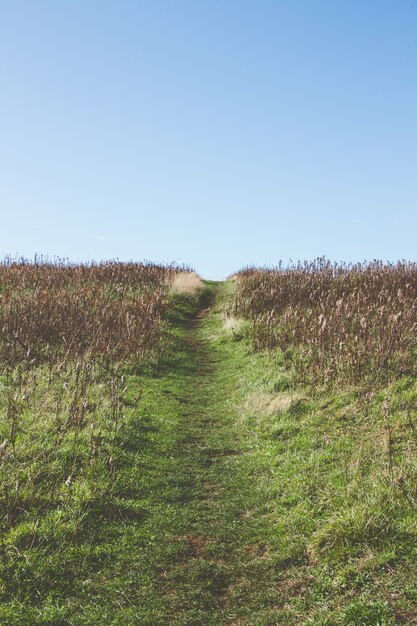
{"x":211,"y":132}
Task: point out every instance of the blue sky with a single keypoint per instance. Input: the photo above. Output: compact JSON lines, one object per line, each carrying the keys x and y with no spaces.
{"x":212,"y":132}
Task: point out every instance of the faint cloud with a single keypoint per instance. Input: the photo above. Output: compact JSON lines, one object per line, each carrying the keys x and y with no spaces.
{"x":98,"y":237}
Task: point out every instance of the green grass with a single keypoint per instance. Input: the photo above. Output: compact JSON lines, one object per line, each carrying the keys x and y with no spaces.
{"x":222,"y":495}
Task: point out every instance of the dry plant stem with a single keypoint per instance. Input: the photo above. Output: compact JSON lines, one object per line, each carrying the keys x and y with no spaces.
{"x":390,"y":441}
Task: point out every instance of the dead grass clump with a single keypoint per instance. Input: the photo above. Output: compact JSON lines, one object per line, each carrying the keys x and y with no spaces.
{"x":186,"y":283}
{"x":267,"y":404}
{"x":233,"y":324}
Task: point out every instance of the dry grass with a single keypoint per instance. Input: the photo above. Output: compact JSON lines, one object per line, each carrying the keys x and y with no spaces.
{"x":334,"y":322}
{"x":267,"y":404}
{"x":232,"y":324}
{"x":60,"y":312}
{"x":186,"y":283}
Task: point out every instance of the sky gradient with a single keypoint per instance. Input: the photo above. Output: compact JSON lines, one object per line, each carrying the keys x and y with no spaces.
{"x":209,"y":132}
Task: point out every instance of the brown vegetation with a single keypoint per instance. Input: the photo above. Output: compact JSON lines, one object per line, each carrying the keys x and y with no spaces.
{"x":58,"y":312}
{"x":334,"y":322}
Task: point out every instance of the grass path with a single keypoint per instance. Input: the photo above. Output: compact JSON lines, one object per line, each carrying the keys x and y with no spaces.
{"x":205,"y":568}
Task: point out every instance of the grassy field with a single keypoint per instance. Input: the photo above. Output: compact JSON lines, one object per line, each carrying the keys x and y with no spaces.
{"x":209,"y":487}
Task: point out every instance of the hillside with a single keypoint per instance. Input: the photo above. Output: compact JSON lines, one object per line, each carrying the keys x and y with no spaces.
{"x":197,"y":481}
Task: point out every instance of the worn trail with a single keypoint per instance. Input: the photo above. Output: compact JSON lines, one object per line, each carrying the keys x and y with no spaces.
{"x":209,"y":568}
{"x":207,"y":451}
